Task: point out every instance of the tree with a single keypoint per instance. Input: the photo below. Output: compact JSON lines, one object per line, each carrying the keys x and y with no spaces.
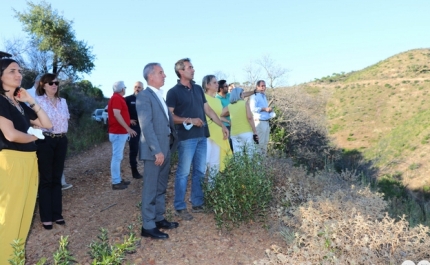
{"x":274,"y":71}
{"x":252,"y":75}
{"x":220,"y":75}
{"x":53,"y":35}
{"x":31,"y":60}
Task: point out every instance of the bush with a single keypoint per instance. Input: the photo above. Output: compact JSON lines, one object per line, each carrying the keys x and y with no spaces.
{"x":327,"y":220}
{"x":241,"y":193}
{"x":84,"y":133}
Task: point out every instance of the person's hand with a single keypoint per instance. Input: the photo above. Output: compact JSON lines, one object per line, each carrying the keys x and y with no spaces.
{"x":197,"y":122}
{"x":132,"y":132}
{"x":159,"y":159}
{"x":255,"y":137}
{"x":268,"y":109}
{"x":24,"y":96}
{"x":225,"y":132}
{"x":133,"y":122}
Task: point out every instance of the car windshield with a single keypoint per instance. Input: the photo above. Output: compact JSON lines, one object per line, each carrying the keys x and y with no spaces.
{"x":99,"y":112}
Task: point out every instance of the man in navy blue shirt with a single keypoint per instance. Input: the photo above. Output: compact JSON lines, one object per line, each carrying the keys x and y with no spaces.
{"x":188,"y":105}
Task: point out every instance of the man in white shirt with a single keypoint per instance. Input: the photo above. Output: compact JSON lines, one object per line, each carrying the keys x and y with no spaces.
{"x":157,"y":142}
{"x":262,"y":113}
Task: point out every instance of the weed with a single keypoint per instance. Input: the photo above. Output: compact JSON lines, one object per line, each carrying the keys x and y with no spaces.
{"x":62,"y":256}
{"x":104,"y":254}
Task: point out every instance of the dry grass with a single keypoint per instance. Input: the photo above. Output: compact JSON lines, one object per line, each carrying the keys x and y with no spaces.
{"x":326,"y":219}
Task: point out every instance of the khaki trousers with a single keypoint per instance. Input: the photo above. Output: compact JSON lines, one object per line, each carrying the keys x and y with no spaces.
{"x":263,"y":132}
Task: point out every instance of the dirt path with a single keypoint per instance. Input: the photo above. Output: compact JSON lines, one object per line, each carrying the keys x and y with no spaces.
{"x":92,"y":204}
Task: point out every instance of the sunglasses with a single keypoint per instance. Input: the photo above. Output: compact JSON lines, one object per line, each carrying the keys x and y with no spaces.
{"x":52,"y":83}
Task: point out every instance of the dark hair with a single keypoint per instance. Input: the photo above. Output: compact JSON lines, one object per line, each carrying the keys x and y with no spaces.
{"x":4,"y":63}
{"x":221,"y":84}
{"x":259,"y":82}
{"x":46,"y":78}
{"x":179,"y":65}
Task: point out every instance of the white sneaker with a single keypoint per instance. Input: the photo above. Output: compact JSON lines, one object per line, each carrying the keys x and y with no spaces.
{"x":66,"y":186}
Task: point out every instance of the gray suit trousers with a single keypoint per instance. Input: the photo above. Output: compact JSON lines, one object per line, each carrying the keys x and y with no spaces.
{"x":154,"y":199}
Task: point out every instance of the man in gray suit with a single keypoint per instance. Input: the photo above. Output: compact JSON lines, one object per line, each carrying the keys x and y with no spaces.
{"x":157,"y":141}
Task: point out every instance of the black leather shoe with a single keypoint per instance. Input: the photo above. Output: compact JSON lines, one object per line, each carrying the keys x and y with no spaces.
{"x":166,"y":224}
{"x":47,"y":227}
{"x":135,"y":173}
{"x":154,"y":233}
{"x":125,"y":182}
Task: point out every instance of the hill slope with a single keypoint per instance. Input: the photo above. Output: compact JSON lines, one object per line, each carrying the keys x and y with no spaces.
{"x":383,"y":111}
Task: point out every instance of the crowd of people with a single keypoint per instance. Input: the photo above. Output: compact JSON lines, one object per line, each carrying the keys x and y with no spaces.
{"x":204,"y":124}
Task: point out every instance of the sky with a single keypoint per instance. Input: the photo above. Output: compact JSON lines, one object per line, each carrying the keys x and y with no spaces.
{"x":310,"y":38}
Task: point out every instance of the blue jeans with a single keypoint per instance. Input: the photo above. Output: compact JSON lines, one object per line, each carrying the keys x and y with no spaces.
{"x":190,"y":151}
{"x":118,"y":144}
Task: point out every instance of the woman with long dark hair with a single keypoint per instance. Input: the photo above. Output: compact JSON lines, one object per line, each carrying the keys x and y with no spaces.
{"x":51,"y":152}
{"x":18,"y":161}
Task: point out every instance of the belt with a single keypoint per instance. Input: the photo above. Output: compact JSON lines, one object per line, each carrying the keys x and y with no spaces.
{"x":53,"y":135}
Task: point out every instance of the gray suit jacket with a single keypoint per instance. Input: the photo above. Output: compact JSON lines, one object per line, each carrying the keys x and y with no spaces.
{"x":154,"y":125}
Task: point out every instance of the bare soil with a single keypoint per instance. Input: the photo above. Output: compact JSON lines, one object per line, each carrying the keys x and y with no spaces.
{"x":92,"y":204}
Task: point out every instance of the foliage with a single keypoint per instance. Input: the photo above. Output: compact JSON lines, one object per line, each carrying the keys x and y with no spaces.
{"x":278,"y":132}
{"x":105,"y":254}
{"x":102,"y":252}
{"x":84,"y":133}
{"x":53,"y":34}
{"x":335,"y":77}
{"x":62,"y":256}
{"x":241,"y":192}
{"x":18,"y":257}
{"x":89,"y":90}
{"x":82,"y":98}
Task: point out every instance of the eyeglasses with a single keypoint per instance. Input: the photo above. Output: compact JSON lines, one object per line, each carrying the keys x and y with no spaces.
{"x":225,"y":86}
{"x":52,"y":83}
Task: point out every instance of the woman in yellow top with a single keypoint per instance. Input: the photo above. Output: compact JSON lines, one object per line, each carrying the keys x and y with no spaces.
{"x":243,"y":133}
{"x":217,"y":147}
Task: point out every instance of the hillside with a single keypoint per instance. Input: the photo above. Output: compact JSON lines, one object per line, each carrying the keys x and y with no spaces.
{"x":383,"y":111}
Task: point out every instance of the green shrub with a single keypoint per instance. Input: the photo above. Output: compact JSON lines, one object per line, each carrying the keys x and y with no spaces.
{"x":241,"y":193}
{"x":102,"y":252}
{"x":84,"y":133}
{"x":105,"y":254}
{"x":62,"y":256}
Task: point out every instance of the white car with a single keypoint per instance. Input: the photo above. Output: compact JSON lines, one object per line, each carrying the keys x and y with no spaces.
{"x":105,"y":116}
{"x":97,"y":115}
